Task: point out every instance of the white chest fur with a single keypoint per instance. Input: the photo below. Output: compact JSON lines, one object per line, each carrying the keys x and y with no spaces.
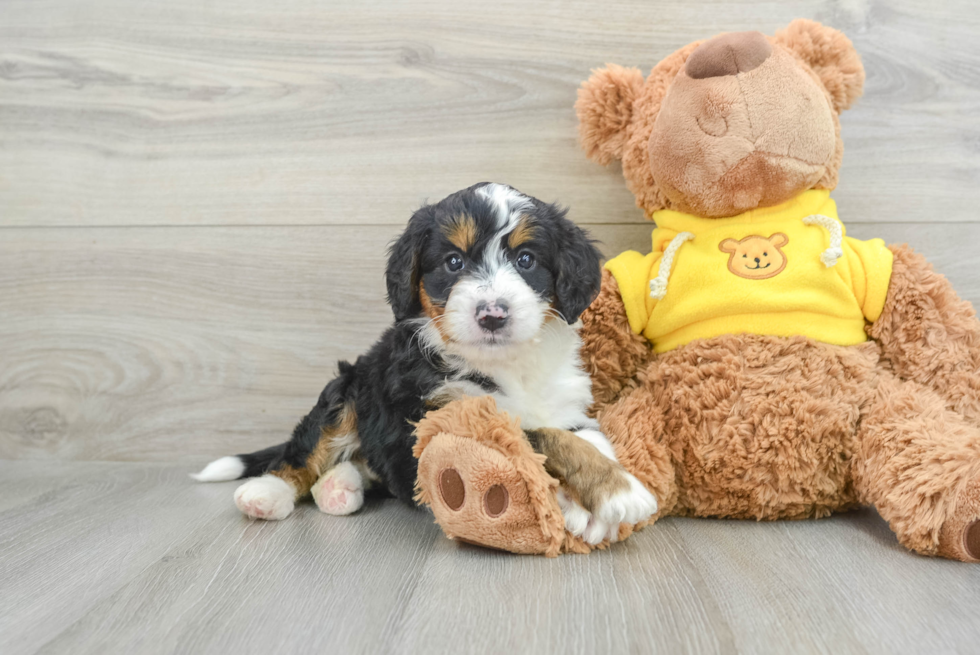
{"x":541,"y":381}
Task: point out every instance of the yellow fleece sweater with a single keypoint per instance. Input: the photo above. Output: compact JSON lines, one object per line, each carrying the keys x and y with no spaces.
{"x":761,"y":272}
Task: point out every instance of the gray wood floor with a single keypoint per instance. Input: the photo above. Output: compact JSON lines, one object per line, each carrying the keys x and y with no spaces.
{"x":100,"y":557}
{"x":195,"y":198}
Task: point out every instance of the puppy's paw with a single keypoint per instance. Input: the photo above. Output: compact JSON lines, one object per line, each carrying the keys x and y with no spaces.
{"x":339,"y":491}
{"x":631,"y":505}
{"x":576,"y":516}
{"x":582,"y":523}
{"x":269,"y":497}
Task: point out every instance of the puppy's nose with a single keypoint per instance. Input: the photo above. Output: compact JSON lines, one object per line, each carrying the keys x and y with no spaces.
{"x":757,"y":260}
{"x":492,"y":316}
{"x":728,"y":54}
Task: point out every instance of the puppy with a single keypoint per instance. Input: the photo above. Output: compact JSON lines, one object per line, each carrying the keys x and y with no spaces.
{"x":487,"y":287}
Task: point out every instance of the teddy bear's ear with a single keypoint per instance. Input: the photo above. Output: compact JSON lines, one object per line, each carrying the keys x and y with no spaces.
{"x":728,"y":245}
{"x":831,"y":56}
{"x":779,"y":239}
{"x":605,"y":109}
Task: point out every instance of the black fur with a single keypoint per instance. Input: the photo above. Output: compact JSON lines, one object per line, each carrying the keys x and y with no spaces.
{"x":389,"y":386}
{"x":261,"y":461}
{"x":308,"y":432}
{"x":572,"y":255}
{"x":402,"y":273}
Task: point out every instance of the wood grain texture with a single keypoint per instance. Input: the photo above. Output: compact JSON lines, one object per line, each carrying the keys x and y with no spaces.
{"x":180,"y":343}
{"x":135,"y":558}
{"x":116,"y":112}
{"x":183,"y":344}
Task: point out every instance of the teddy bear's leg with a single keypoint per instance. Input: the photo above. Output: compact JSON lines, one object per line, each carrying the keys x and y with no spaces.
{"x":929,"y":334}
{"x":918,"y":463}
{"x":635,"y":424}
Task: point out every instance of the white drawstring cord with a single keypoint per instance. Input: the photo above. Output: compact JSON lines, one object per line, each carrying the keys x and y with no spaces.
{"x":829,"y":256}
{"x":658,"y":285}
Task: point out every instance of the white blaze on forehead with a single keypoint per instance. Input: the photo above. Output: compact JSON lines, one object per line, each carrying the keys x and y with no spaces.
{"x":510,"y":205}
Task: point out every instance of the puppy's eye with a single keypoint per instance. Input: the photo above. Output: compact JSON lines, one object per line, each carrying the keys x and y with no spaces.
{"x":525,"y":260}
{"x":744,"y":256}
{"x":454,"y":263}
{"x":765,"y":254}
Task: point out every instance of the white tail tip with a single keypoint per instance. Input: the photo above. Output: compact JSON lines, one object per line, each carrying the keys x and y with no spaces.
{"x":221,"y":470}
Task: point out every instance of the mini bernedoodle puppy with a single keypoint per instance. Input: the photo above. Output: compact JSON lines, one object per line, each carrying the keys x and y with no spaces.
{"x":487,"y":287}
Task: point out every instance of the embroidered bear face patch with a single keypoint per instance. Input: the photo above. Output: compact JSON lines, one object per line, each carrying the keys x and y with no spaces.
{"x":756,"y":257}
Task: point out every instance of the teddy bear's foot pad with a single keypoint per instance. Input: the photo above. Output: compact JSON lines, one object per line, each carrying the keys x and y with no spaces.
{"x":971,"y":538}
{"x":453,"y":492}
{"x":962,"y":544}
{"x":481,"y":495}
{"x":959,"y":537}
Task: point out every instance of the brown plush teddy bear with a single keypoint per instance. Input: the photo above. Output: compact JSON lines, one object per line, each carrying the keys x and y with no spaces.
{"x":758,"y":363}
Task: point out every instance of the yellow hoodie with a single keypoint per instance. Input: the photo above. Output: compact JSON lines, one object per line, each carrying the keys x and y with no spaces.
{"x":782,"y":271}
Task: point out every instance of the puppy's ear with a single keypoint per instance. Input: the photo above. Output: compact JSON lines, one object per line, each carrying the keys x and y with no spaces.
{"x":404,"y":270}
{"x":579,"y":275}
{"x":832,"y":57}
{"x":605,"y":110}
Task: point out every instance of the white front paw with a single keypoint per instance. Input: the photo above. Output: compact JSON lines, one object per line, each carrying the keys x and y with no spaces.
{"x":630,"y":505}
{"x":582,"y":523}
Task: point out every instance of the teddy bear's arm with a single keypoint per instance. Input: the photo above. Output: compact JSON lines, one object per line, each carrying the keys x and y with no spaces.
{"x":611,"y":351}
{"x":929,"y":334}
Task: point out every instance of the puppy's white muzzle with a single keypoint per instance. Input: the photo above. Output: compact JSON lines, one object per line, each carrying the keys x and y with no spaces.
{"x":494,"y":307}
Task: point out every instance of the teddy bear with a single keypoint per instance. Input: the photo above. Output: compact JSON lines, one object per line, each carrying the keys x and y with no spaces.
{"x":757,"y":363}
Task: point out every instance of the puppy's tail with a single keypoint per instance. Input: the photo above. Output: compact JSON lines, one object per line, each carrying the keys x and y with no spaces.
{"x":235,"y":467}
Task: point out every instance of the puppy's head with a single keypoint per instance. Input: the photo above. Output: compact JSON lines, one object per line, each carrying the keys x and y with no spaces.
{"x":489,"y":265}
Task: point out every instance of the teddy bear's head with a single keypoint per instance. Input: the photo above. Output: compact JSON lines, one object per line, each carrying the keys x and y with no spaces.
{"x":722,"y":126}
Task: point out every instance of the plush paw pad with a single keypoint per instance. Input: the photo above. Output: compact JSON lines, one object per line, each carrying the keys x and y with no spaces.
{"x":959,"y":537}
{"x":495,"y":500}
{"x":268,"y":497}
{"x":631,"y":505}
{"x":481,"y":495}
{"x":340,"y":491}
{"x":452,"y":489}
{"x":971,"y":540}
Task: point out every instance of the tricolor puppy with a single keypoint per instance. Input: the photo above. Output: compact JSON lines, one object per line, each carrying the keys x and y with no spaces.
{"x":487,"y":287}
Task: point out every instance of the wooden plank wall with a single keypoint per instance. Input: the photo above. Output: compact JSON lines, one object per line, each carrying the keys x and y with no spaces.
{"x":195,"y":197}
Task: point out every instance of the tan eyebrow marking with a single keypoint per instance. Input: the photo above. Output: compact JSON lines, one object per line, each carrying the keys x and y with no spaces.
{"x":461,"y":231}
{"x":523,"y":233}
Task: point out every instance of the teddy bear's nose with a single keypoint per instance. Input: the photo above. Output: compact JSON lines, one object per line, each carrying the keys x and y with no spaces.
{"x":728,"y":54}
{"x":758,"y":261}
